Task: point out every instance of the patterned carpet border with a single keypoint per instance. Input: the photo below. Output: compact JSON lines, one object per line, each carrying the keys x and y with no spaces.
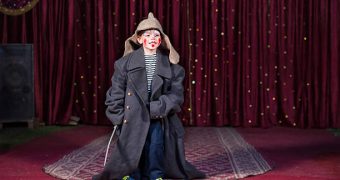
{"x":221,"y":153}
{"x":71,"y":165}
{"x":245,"y":159}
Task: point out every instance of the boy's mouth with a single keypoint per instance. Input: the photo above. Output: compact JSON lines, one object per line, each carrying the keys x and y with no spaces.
{"x":153,"y":44}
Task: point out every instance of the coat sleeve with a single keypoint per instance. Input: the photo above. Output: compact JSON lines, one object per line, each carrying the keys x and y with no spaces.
{"x":115,"y":96}
{"x":173,"y":99}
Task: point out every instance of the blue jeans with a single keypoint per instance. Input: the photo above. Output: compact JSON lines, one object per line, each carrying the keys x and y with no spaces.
{"x":151,"y":162}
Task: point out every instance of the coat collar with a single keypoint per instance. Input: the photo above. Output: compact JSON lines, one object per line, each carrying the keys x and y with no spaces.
{"x":136,"y":60}
{"x":163,"y":63}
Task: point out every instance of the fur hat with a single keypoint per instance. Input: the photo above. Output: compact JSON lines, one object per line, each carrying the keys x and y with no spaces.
{"x":151,"y":23}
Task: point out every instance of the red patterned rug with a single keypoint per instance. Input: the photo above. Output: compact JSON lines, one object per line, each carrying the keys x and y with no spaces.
{"x":219,"y":152}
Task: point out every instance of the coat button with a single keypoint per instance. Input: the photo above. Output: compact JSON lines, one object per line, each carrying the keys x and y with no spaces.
{"x":129,"y":94}
{"x":128,"y":107}
{"x":125,"y":121}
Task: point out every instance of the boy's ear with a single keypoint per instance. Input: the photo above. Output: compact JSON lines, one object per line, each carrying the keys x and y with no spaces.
{"x":139,"y":40}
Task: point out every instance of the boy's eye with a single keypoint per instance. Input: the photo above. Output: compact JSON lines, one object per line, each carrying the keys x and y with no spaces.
{"x":148,"y":35}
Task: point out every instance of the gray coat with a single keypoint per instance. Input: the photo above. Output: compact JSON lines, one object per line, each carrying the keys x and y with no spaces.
{"x":130,"y":107}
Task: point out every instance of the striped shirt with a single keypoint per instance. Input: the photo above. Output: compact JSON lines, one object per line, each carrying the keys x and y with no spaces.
{"x":150,"y":64}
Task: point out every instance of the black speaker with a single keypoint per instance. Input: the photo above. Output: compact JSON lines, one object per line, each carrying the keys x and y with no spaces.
{"x":16,"y":83}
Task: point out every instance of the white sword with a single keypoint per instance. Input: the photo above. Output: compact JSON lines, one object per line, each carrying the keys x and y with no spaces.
{"x":108,"y":145}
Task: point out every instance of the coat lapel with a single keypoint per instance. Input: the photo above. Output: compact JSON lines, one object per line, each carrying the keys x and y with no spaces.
{"x":137,"y":74}
{"x":162,"y":71}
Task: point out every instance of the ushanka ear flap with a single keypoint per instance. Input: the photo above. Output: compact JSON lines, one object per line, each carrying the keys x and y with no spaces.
{"x":173,"y":55}
{"x":131,"y":44}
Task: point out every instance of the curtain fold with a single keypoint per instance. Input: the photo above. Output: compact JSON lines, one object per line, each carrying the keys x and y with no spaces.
{"x":248,"y":63}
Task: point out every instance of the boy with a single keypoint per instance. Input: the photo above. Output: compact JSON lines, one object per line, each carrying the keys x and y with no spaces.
{"x":145,"y":95}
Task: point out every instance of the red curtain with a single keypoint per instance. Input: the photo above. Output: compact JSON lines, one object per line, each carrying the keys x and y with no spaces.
{"x":248,"y":63}
{"x":50,"y":27}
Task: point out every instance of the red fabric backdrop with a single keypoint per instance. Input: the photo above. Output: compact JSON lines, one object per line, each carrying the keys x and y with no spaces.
{"x":248,"y":63}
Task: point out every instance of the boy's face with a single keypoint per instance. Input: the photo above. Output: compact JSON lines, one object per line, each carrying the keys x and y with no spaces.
{"x":151,"y":39}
